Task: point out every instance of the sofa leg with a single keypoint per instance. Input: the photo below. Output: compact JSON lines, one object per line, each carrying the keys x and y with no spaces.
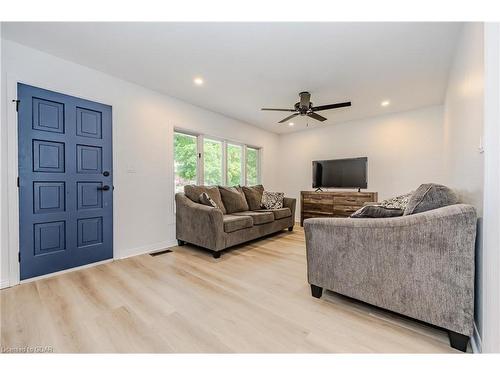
{"x":290,"y":229}
{"x":181,"y":242}
{"x":458,"y":341}
{"x":316,"y":291}
{"x":216,"y":254}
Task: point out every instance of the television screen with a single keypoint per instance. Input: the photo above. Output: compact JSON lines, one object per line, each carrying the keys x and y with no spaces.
{"x":340,"y":173}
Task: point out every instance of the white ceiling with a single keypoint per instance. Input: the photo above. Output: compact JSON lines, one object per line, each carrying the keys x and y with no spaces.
{"x":247,"y":66}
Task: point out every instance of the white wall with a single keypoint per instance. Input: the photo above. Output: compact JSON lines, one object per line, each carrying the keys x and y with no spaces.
{"x":143,"y":122}
{"x":463,"y":117}
{"x":404,"y":150}
{"x":463,"y":132}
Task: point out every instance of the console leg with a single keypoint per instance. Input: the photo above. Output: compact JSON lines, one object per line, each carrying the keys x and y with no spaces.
{"x":458,"y":341}
{"x":181,"y":242}
{"x":316,"y":291}
{"x":216,"y":254}
{"x":290,"y":229}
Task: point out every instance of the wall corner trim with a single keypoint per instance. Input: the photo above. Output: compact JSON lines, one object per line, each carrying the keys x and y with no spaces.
{"x":475,"y":341}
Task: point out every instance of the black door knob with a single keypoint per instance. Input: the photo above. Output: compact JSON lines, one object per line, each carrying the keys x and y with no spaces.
{"x":105,"y":173}
{"x":105,"y":187}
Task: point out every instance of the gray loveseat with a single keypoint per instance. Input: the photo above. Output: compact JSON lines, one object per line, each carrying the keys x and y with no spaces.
{"x":235,"y":220}
{"x":420,"y":265}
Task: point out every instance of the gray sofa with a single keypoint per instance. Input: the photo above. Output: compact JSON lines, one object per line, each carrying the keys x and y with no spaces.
{"x":419,"y":265}
{"x":216,"y":229}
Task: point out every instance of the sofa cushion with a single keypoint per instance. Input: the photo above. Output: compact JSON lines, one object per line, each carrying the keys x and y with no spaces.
{"x":233,"y":198}
{"x":429,"y":197}
{"x":193,"y":192}
{"x":377,"y":211}
{"x":257,"y":216}
{"x":253,"y":194}
{"x":233,"y":223}
{"x":272,"y":200}
{"x":279,"y":213}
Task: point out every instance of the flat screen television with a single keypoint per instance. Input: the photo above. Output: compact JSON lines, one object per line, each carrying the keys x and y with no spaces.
{"x":340,"y":173}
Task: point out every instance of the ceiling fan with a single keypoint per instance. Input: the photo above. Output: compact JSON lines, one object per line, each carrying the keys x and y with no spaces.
{"x":305,"y":108}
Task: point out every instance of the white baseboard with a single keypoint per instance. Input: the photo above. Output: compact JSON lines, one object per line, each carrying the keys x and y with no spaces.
{"x":4,"y":284}
{"x":475,"y":341}
{"x":148,"y":248}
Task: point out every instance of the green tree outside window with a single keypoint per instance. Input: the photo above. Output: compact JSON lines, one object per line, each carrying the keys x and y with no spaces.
{"x":234,"y":164}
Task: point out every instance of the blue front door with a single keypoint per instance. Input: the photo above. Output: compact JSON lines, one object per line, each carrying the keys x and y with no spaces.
{"x":65,"y":181}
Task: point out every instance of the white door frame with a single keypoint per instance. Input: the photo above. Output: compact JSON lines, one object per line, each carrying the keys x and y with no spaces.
{"x":13,"y":169}
{"x":490,"y":339}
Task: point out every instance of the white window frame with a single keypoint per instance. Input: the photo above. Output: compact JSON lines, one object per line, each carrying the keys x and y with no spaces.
{"x":186,"y":132}
{"x":200,"y":167}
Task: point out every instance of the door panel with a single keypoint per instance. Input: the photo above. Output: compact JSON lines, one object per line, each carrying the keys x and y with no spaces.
{"x":65,"y":213}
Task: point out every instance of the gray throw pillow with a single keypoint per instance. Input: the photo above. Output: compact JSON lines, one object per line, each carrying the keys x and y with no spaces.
{"x":429,"y":197}
{"x":377,"y":212}
{"x":272,"y":200}
{"x":193,"y":192}
{"x":233,"y":198}
{"x":207,"y":201}
{"x":253,"y":195}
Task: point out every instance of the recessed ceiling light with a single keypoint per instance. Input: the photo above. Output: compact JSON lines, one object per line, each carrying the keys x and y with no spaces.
{"x":291,"y":124}
{"x":385,"y":103}
{"x":198,"y":81}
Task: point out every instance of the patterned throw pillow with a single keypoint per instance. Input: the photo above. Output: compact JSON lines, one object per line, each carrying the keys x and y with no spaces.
{"x":377,"y":212}
{"x":400,"y":202}
{"x":272,"y":200}
{"x":207,"y":201}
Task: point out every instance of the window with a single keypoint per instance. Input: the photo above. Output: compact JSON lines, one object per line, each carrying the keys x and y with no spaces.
{"x":212,"y":162}
{"x":252,"y":166}
{"x":185,"y":160}
{"x":208,"y":161}
{"x":234,"y":167}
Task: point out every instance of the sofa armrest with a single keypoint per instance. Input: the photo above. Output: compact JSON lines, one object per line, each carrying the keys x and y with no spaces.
{"x":418,"y":265}
{"x":198,"y":224}
{"x":290,"y":203}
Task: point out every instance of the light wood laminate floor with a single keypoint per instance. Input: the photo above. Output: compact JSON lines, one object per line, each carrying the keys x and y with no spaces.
{"x":255,"y":298}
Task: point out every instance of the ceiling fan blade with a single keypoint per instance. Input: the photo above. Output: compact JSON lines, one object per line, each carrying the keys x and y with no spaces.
{"x":288,"y":118}
{"x":305,"y":99}
{"x":331,"y":106}
{"x":277,"y":109}
{"x":316,"y":116}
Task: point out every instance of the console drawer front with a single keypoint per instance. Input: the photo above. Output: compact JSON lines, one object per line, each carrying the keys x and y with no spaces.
{"x":317,"y":198}
{"x":344,"y":210}
{"x":352,"y":200}
{"x":318,"y":207}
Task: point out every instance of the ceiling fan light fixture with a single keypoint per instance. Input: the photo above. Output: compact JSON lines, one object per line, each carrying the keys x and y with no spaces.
{"x":291,"y":124}
{"x":305,"y":108}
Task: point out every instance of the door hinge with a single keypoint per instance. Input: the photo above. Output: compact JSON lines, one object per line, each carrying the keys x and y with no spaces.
{"x":19,"y":257}
{"x":17,"y":101}
{"x":18,"y":182}
{"x":199,"y":155}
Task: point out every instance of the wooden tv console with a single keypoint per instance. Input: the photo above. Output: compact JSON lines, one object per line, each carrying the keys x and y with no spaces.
{"x":332,"y":203}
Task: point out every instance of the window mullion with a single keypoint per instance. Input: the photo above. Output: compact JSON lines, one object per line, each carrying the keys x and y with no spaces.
{"x":224,"y":163}
{"x":243,"y":178}
{"x":200,"y":164}
{"x":259,"y":170}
